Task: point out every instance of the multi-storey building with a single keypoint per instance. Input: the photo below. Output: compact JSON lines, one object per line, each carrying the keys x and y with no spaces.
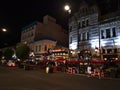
{"x":92,"y":35}
{"x":49,"y":29}
{"x":109,"y":26}
{"x":44,"y":36}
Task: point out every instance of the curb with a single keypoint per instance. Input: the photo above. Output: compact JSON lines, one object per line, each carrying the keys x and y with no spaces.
{"x":98,"y":78}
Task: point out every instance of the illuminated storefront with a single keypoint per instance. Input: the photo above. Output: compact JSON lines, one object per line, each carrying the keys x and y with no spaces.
{"x":60,"y":54}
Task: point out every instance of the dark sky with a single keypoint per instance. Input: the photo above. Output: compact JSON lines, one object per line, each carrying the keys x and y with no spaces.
{"x":15,"y":14}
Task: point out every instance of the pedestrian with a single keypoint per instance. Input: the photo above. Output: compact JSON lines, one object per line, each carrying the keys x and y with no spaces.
{"x":89,"y":70}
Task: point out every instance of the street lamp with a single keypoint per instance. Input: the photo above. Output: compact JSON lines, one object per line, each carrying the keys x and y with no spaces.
{"x":4,"y":30}
{"x":68,"y":9}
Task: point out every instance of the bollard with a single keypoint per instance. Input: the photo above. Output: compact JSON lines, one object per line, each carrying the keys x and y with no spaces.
{"x":47,"y":69}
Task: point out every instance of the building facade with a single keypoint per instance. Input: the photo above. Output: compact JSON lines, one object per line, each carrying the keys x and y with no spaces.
{"x":90,"y":34}
{"x":47,"y":48}
{"x":109,"y":26}
{"x":44,"y":36}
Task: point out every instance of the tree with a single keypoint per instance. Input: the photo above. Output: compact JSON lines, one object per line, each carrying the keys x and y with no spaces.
{"x":8,"y":52}
{"x":1,"y":54}
{"x":22,"y":51}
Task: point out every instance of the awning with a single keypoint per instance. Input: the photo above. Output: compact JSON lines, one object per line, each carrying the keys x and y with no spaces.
{"x":98,"y":61}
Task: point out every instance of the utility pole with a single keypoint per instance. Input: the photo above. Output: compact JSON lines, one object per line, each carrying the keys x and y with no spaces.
{"x":99,"y":42}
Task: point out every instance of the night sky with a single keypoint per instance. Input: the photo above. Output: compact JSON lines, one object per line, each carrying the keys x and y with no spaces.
{"x":15,"y":14}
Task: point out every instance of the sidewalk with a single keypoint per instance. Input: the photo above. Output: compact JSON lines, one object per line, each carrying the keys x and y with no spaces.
{"x":98,"y":77}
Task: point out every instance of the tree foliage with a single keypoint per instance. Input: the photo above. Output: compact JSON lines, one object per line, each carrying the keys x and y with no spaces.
{"x":8,"y":52}
{"x":22,"y":51}
{"x":1,"y":54}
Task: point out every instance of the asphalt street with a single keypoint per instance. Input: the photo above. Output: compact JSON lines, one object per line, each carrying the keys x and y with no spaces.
{"x":12,"y":78}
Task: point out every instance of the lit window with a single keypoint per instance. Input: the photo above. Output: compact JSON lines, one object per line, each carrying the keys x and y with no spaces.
{"x":63,"y":53}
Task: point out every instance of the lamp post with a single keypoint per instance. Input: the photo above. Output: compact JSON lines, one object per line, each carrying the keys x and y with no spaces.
{"x":2,"y":30}
{"x":68,"y":9}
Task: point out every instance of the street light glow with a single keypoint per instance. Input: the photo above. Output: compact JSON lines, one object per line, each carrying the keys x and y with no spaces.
{"x":67,"y":7}
{"x":4,"y":30}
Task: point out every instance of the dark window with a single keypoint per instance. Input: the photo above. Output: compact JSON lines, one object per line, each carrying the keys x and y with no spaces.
{"x":108,"y":34}
{"x":31,"y":33}
{"x":36,"y":48}
{"x":45,"y":48}
{"x":32,"y":27}
{"x":114,"y":32}
{"x":115,"y":50}
{"x":70,"y":28}
{"x":87,"y":35}
{"x":39,"y":47}
{"x":109,"y":50}
{"x":79,"y":25}
{"x":103,"y":51}
{"x":83,"y":10}
{"x":87,"y":22}
{"x":84,"y":36}
{"x":80,"y":37}
{"x":102,"y":34}
{"x":83,"y":24}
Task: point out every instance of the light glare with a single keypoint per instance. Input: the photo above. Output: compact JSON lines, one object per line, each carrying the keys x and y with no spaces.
{"x":67,"y":7}
{"x":4,"y":30}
